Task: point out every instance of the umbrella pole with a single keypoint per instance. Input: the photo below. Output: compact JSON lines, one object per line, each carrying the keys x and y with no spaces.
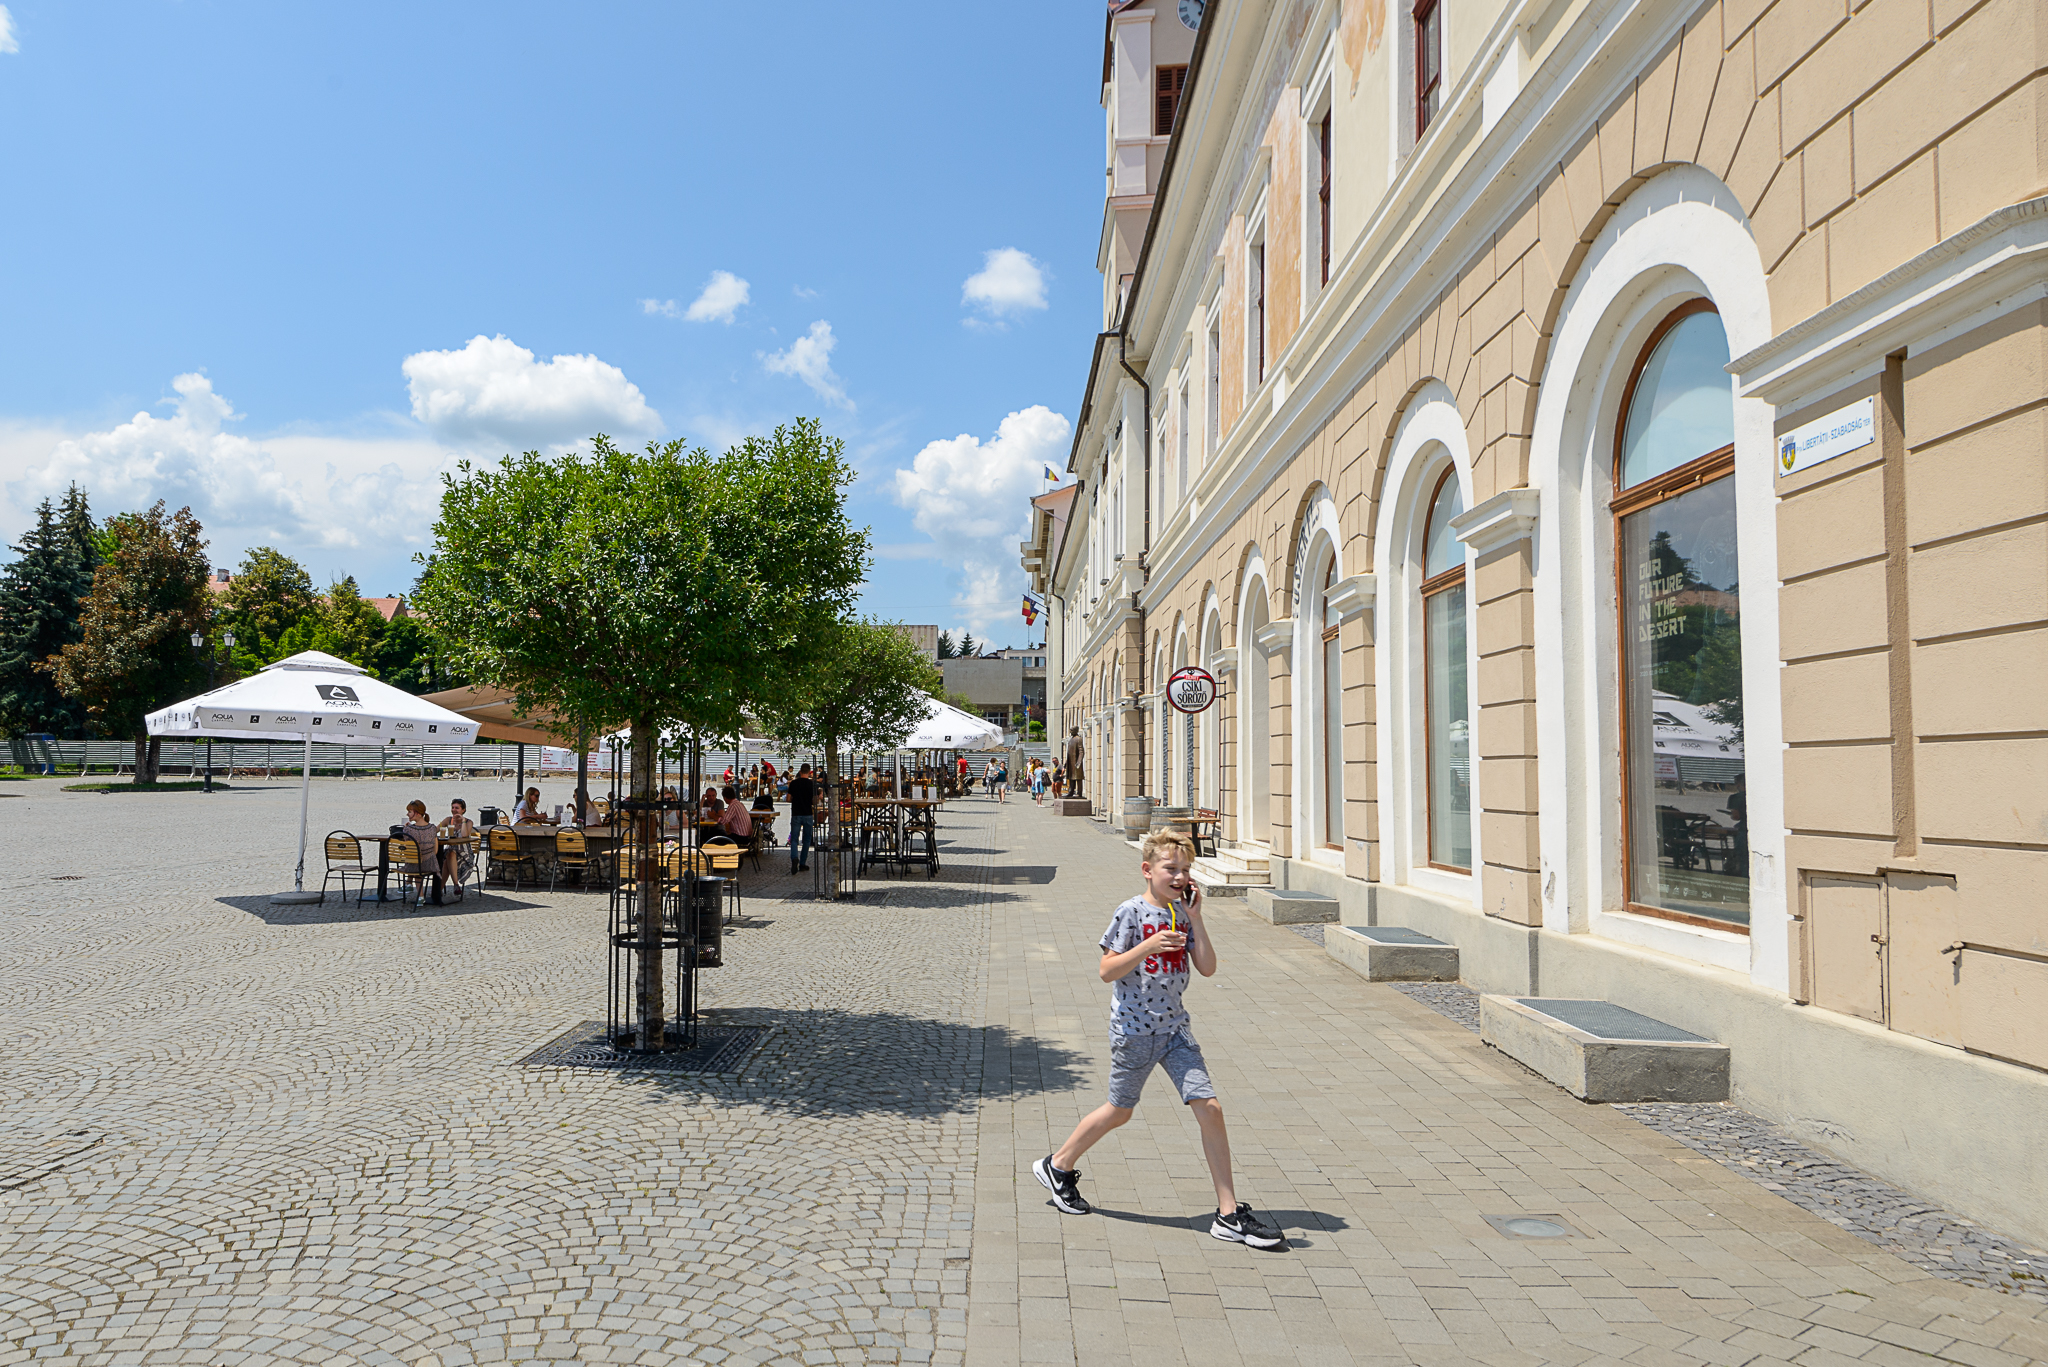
{"x":298,"y":892}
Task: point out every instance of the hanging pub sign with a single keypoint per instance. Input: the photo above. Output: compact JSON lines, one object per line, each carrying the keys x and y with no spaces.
{"x":1191,"y":689}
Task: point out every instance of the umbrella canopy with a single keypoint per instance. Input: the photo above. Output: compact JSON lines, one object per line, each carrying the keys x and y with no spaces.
{"x":307,"y":697}
{"x":313,"y":696}
{"x":946,"y":727}
{"x":492,"y":710}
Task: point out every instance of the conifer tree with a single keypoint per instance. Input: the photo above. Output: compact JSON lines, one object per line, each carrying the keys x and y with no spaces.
{"x":40,"y":595}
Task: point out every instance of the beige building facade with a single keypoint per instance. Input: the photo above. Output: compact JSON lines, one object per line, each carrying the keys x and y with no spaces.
{"x":1602,"y":451}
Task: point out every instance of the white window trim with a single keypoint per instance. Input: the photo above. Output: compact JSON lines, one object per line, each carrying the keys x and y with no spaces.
{"x":1681,"y":236}
{"x":1431,"y":436}
{"x":1320,"y":533}
{"x":1316,"y":102}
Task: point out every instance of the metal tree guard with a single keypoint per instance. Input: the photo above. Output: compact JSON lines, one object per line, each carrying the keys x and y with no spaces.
{"x":661,"y":905}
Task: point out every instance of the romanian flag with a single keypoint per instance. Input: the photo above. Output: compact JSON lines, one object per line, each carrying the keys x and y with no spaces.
{"x":1030,"y":611}
{"x":1052,"y":474}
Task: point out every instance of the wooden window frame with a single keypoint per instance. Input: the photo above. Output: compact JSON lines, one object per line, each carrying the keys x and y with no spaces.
{"x":1257,"y":313}
{"x":1323,"y":192}
{"x":1694,"y":474}
{"x":1452,"y":578}
{"x":1169,"y":83}
{"x":1427,"y":84}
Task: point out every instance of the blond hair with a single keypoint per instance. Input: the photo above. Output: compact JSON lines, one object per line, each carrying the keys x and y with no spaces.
{"x":1159,"y":841}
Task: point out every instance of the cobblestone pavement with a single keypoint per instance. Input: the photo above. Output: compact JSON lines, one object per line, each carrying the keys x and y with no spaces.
{"x":1381,"y":1135}
{"x":239,"y":1133}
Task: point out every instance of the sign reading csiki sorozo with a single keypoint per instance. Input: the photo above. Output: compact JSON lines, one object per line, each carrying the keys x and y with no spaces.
{"x":1191,"y":689}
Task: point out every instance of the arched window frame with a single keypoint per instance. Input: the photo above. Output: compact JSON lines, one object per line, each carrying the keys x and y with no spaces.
{"x":1696,"y":473}
{"x":1428,"y":588}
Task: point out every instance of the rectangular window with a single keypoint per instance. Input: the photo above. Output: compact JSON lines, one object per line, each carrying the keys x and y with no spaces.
{"x":1323,"y":196}
{"x":1681,"y":618}
{"x":1257,"y":301}
{"x":1183,"y":439}
{"x":1212,"y":397}
{"x":1167,"y":83}
{"x":1446,"y":720}
{"x":1429,"y":61}
{"x":1333,"y":740}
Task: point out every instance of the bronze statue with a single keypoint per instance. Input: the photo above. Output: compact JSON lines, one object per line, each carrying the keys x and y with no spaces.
{"x":1076,"y":753}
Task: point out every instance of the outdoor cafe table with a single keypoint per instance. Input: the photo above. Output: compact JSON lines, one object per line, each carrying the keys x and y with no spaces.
{"x":383,"y":843}
{"x":898,"y":808}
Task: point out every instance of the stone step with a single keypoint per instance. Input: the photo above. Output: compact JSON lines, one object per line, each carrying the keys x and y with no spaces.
{"x":1213,"y":886}
{"x":1392,"y":954}
{"x":1220,"y":872}
{"x":1598,"y":1051}
{"x":1240,"y":859}
{"x":1291,"y":907}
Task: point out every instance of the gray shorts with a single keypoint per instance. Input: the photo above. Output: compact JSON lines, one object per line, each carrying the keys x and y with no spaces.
{"x":1133,"y":1057}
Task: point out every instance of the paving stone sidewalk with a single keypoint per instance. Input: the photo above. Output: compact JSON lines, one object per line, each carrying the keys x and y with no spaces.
{"x":1382,"y":1135}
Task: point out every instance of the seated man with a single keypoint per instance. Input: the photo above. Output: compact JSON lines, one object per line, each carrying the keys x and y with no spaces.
{"x":735,"y":820}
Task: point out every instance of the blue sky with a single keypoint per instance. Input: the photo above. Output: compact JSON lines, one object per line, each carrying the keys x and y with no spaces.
{"x":294,"y":238}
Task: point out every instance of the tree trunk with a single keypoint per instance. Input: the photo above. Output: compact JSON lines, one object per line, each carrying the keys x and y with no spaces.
{"x":647,"y":890}
{"x":832,"y":817}
{"x":149,"y":754}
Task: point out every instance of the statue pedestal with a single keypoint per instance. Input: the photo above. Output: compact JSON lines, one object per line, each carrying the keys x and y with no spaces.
{"x":1076,"y":806}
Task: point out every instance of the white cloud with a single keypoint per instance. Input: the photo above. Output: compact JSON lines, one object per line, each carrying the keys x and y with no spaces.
{"x":809,"y":358}
{"x":1008,"y":282}
{"x":803,"y":292}
{"x":661,"y":308}
{"x":972,"y":499}
{"x":296,"y":492}
{"x":721,"y":297}
{"x":493,"y":391}
{"x":8,"y":42}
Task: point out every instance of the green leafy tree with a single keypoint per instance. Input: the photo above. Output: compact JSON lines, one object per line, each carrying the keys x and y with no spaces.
{"x":270,"y":594}
{"x":40,"y":598}
{"x":661,"y":590}
{"x":350,"y":626}
{"x":411,"y":656}
{"x":864,"y":686}
{"x":134,"y":654}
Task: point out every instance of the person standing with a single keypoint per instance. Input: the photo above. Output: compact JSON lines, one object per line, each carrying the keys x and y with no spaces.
{"x":803,"y":821}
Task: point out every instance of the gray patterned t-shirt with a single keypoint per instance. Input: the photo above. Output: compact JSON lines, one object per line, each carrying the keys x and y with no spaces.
{"x":1145,"y":1001}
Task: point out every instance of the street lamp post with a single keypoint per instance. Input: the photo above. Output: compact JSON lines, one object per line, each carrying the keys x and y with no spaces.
{"x":212,"y":680}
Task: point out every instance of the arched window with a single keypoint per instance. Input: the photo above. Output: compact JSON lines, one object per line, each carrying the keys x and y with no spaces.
{"x":1686,"y":827}
{"x":1333,"y":717}
{"x":1447,"y":713}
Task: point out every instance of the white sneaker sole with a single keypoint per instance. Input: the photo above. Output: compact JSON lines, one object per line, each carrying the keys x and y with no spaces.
{"x":1045,"y":1180}
{"x":1231,"y":1236}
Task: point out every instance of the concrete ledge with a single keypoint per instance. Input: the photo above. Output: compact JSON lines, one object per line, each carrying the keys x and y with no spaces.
{"x":1392,"y":954}
{"x":1288,"y":908}
{"x":1074,"y":806}
{"x":1598,"y":1051}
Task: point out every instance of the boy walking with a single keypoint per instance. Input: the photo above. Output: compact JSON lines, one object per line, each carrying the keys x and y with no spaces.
{"x":1145,"y":956}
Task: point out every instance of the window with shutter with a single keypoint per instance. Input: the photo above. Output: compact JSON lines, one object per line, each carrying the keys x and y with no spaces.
{"x":1168,"y":82}
{"x":1429,"y":61}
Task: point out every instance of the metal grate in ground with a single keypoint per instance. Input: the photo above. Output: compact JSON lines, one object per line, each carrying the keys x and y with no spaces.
{"x":720,"y":1049}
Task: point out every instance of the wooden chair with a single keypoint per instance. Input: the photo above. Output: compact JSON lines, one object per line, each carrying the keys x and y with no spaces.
{"x":571,"y":853}
{"x":1206,"y":826}
{"x":345,"y":861}
{"x":506,"y":856}
{"x":413,"y":867}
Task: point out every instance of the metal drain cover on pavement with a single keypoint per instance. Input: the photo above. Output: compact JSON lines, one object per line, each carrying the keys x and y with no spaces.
{"x":720,"y":1049}
{"x":1532,"y":1226}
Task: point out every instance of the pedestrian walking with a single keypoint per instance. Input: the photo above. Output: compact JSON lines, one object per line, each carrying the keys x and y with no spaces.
{"x":1002,"y":783}
{"x":1145,"y":955}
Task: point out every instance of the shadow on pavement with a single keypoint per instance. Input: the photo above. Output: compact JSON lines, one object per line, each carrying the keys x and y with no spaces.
{"x":826,"y":1062}
{"x":337,"y":909}
{"x":1296,"y":1223}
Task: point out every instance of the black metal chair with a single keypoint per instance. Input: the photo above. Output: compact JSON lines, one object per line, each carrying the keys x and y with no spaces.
{"x":345,"y":861}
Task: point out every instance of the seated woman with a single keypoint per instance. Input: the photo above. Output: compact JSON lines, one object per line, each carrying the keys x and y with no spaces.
{"x":419,"y":828}
{"x":528,"y":810}
{"x":457,"y":860}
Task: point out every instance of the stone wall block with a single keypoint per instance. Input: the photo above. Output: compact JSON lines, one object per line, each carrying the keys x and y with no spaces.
{"x":1839,"y":788}
{"x":1759,"y":156}
{"x":1510,"y":894}
{"x":1581,"y":173}
{"x":1830,"y":181}
{"x":1508,"y":783}
{"x":1799,"y":285}
{"x":1699,"y":68}
{"x":1990,"y":52}
{"x":1982,"y":684}
{"x":1790,"y":30}
{"x":1734,"y":100}
{"x":1841,"y":698}
{"x":1837,"y":523}
{"x":1509,"y":676}
{"x":1998,"y":158}
{"x":1516,"y":236}
{"x":1618,"y":145}
{"x":1979,"y":479}
{"x":1886,"y":227}
{"x":1653,"y":108}
{"x":1999,"y":579}
{"x":1984,"y":790}
{"x":1833,"y":613}
{"x":1507,"y":731}
{"x":1970,"y":379}
{"x":1779,"y":217}
{"x":1509,"y":838}
{"x":1882,"y":37}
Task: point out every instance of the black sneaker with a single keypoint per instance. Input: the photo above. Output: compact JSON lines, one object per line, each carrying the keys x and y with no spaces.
{"x":1066,"y":1193}
{"x":1241,"y":1226}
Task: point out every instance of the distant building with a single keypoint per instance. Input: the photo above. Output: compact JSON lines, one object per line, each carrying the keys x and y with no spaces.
{"x":925,"y":638}
{"x":1033,"y":658}
{"x":391,"y":608}
{"x":992,"y":685}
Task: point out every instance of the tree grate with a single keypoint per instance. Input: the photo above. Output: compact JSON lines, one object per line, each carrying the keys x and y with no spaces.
{"x":720,"y":1049}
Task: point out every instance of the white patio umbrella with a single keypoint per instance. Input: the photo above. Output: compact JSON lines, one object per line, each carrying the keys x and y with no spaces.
{"x":946,"y":727}
{"x":312,"y":697}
